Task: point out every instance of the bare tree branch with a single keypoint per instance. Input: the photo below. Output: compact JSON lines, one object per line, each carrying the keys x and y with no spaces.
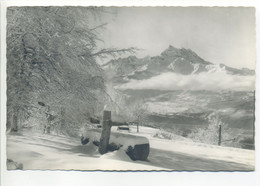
{"x":113,"y":52}
{"x":98,"y":27}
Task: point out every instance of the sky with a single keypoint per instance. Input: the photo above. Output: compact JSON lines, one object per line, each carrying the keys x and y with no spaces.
{"x":218,"y":35}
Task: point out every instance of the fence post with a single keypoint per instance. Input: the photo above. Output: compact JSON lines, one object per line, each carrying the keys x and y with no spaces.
{"x":219,"y":135}
{"x":105,"y":135}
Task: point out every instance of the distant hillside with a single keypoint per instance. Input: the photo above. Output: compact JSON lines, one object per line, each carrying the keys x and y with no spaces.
{"x":168,"y":109}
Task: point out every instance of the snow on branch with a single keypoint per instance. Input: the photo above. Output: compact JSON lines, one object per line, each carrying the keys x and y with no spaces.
{"x":113,"y":52}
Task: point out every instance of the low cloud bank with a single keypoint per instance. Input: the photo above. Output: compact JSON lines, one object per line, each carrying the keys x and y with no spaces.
{"x":202,"y":81}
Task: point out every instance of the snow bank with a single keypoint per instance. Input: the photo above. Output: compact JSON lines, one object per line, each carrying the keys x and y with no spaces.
{"x":122,"y":139}
{"x":188,"y":147}
{"x":49,"y":152}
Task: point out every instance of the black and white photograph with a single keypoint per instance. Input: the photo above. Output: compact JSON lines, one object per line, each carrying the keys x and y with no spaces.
{"x":130,"y":88}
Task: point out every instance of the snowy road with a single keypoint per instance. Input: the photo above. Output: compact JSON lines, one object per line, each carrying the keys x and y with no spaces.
{"x":51,"y":152}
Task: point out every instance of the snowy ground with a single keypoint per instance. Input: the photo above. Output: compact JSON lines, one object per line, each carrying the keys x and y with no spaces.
{"x":50,"y":152}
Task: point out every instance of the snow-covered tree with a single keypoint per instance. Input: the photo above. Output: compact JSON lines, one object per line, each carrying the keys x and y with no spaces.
{"x":51,"y":67}
{"x":210,"y":134}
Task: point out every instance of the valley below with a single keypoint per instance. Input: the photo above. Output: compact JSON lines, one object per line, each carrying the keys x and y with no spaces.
{"x":183,"y":112}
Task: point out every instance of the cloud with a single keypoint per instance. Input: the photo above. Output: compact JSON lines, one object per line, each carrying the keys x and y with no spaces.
{"x":202,"y":81}
{"x":235,"y":113}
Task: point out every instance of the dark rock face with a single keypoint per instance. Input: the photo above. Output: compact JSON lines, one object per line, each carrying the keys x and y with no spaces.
{"x":112,"y":147}
{"x":84,"y":141}
{"x":182,"y":66}
{"x":96,"y":143}
{"x":138,"y":152}
{"x":12,"y":165}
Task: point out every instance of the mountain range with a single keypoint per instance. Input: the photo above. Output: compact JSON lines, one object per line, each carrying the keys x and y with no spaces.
{"x":180,"y":89}
{"x":180,"y":61}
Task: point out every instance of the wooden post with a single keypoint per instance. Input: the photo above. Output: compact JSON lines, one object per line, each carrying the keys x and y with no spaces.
{"x":105,"y":135}
{"x":138,"y":121}
{"x":219,"y":135}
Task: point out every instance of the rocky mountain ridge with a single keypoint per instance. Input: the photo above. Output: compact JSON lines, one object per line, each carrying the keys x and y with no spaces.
{"x":180,"y":61}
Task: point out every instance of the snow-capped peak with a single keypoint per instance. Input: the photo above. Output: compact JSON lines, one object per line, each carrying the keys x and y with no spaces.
{"x":196,"y":68}
{"x":215,"y":68}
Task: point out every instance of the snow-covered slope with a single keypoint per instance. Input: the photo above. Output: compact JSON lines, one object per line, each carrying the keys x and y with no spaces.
{"x":51,"y":152}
